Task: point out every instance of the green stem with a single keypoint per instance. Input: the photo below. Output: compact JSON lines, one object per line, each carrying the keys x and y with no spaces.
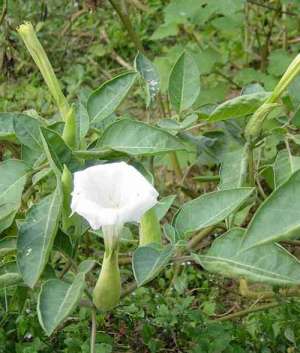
{"x":207,"y":178}
{"x":93,"y":331}
{"x":246,"y":312}
{"x":255,"y":123}
{"x":251,"y":165}
{"x":176,"y":166}
{"x":199,"y":236}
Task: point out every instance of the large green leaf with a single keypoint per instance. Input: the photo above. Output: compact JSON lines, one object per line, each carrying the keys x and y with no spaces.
{"x":27,"y":131}
{"x":9,"y":275}
{"x":12,"y":181}
{"x":268,"y":263}
{"x":233,"y":169}
{"x":36,"y":236}
{"x":106,"y":99}
{"x":278,"y":218}
{"x":7,"y":131}
{"x":150,"y":75}
{"x":209,"y":209}
{"x":57,"y":300}
{"x":137,"y":138}
{"x":148,"y":261}
{"x":184,"y":83}
{"x":239,"y":106}
{"x":284,"y":166}
{"x":60,"y":153}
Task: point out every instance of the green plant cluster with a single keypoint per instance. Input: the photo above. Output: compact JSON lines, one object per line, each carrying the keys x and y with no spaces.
{"x":202,"y":98}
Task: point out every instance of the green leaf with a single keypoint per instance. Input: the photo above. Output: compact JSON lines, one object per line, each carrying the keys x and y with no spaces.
{"x":138,"y":138}
{"x":233,"y":161}
{"x":86,"y":266}
{"x":82,"y":123}
{"x":209,"y":209}
{"x":106,"y":99}
{"x":147,"y":262}
{"x":239,"y":106}
{"x":57,"y":300}
{"x":284,"y":166}
{"x":268,"y":263}
{"x":60,"y":153}
{"x":9,"y":275}
{"x":8,"y":245}
{"x":179,"y":11}
{"x":13,"y":178}
{"x":36,"y":236}
{"x":7,"y":131}
{"x":278,"y":217}
{"x":174,"y":126}
{"x":163,"y":206}
{"x":27,"y":131}
{"x":165,"y":30}
{"x":184,"y":83}
{"x":63,"y":244}
{"x":150,"y":75}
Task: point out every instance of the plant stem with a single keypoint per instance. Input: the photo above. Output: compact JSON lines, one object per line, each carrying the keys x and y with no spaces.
{"x":246,"y":312}
{"x":121,"y":9}
{"x":93,"y":331}
{"x":207,"y":178}
{"x":176,"y":165}
{"x":4,"y":12}
{"x":199,"y":236}
{"x":251,"y":166}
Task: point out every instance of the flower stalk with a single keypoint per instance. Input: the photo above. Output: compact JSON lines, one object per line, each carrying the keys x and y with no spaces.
{"x":38,"y":54}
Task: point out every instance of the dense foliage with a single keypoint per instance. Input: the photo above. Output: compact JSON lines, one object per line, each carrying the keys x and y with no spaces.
{"x":202,"y":98}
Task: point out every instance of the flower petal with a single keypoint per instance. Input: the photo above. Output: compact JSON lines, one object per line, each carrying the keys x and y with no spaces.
{"x":113,"y":193}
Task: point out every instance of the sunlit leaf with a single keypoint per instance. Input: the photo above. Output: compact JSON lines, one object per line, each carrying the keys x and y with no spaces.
{"x":209,"y":209}
{"x":106,"y":99}
{"x":268,"y":263}
{"x":148,"y":261}
{"x":184,"y":83}
{"x":138,"y":138}
{"x":278,"y":217}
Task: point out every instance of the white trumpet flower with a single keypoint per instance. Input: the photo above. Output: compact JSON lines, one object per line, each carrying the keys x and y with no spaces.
{"x":108,"y":196}
{"x":112,"y":194}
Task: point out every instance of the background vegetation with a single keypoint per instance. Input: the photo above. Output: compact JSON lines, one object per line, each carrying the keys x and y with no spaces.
{"x":237,"y":45}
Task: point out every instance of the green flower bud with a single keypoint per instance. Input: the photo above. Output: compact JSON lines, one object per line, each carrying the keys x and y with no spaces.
{"x":28,"y":35}
{"x":106,"y":294}
{"x":150,"y":231}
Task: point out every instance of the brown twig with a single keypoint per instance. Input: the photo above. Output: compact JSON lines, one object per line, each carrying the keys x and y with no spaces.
{"x":114,"y":54}
{"x":277,"y":9}
{"x":72,"y":20}
{"x":245,"y":312}
{"x":4,"y":12}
